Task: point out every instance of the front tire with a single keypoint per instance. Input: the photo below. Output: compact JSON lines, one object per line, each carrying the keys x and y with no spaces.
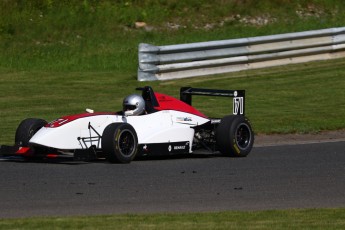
{"x":119,"y":143}
{"x":26,"y":129}
{"x":234,"y":136}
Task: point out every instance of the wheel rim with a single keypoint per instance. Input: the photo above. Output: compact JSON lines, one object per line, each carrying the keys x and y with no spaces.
{"x":126,"y":143}
{"x":243,"y":136}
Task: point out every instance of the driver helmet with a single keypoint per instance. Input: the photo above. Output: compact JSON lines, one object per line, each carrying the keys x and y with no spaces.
{"x":133,"y":105}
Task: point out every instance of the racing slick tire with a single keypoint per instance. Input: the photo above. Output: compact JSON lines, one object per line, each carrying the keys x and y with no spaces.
{"x":234,"y":136}
{"x":26,"y":129}
{"x":119,"y":143}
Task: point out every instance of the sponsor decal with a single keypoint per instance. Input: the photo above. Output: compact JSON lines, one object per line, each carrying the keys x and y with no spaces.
{"x":157,"y":149}
{"x":57,"y":122}
{"x":236,"y":149}
{"x":117,"y":136}
{"x":179,"y":147}
{"x":183,"y":119}
{"x":237,"y":105}
{"x":215,"y":121}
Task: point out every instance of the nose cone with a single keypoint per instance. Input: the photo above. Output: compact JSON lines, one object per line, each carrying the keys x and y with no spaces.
{"x":58,"y":138}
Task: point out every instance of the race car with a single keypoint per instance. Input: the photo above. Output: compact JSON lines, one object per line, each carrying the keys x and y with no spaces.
{"x":150,"y":124}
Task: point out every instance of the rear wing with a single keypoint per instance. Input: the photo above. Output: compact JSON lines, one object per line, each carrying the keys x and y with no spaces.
{"x":237,"y":95}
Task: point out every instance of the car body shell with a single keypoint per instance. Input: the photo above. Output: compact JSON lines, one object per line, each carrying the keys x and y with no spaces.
{"x":83,"y":130}
{"x":168,"y":126}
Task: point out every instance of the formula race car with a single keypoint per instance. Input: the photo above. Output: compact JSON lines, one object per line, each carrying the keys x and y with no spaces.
{"x":150,"y":124}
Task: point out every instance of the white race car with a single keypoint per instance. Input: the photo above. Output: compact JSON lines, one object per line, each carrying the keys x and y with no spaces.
{"x":149,"y":124}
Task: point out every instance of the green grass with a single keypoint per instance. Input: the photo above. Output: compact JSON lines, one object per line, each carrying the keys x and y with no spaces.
{"x":285,"y":219}
{"x":305,"y":98}
{"x":90,"y":35}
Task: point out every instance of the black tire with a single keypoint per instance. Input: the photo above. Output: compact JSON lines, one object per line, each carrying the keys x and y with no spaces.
{"x":26,"y":129}
{"x":119,"y":143}
{"x":234,"y":136}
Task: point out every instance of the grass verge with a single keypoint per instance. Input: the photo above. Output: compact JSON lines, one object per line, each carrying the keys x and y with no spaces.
{"x":282,"y":219}
{"x":302,"y":98}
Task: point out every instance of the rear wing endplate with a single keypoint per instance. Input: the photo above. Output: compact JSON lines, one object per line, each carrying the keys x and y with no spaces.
{"x":237,"y":95}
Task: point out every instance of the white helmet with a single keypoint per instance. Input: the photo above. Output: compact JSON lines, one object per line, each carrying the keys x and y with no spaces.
{"x":133,"y":105}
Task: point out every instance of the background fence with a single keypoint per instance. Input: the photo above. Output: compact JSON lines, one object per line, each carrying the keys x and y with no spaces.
{"x":214,"y":57}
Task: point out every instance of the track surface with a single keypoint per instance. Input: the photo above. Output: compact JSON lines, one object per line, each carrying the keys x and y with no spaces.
{"x":278,"y":177}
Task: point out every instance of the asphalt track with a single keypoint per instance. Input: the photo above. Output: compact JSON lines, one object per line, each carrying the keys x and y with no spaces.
{"x":274,"y":177}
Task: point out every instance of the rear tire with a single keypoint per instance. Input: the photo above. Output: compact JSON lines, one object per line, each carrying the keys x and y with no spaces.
{"x":119,"y":143}
{"x":234,"y":136}
{"x":26,"y":129}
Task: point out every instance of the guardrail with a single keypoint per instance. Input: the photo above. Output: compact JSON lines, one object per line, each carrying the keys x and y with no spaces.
{"x":215,"y":57}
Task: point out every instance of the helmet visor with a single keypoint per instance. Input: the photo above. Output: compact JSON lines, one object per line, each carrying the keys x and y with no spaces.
{"x":129,"y":107}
